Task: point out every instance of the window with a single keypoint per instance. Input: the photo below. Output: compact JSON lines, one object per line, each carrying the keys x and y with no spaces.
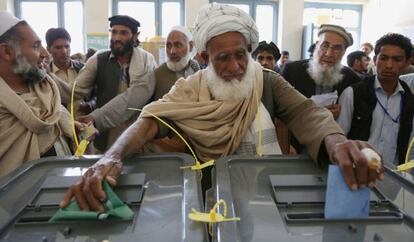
{"x":265,"y":13}
{"x":45,"y":14}
{"x":347,"y":16}
{"x":155,"y":16}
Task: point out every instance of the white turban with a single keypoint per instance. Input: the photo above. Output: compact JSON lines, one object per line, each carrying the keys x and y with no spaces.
{"x":7,"y":21}
{"x":216,"y":19}
{"x":182,"y":30}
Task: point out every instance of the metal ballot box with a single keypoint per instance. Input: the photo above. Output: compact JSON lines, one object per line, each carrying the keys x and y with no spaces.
{"x":281,"y":198}
{"x":154,"y":187}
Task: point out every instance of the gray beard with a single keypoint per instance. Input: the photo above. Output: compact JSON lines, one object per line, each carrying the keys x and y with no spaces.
{"x":180,"y":65}
{"x":324,"y":76}
{"x":234,"y":90}
{"x":32,"y":74}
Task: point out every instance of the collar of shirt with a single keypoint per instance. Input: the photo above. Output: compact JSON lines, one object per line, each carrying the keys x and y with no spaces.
{"x":378,"y":87}
{"x":113,"y":57}
{"x":56,"y":69}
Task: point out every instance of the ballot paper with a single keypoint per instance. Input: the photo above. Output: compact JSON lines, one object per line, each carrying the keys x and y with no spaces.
{"x":341,"y":202}
{"x":325,"y":99}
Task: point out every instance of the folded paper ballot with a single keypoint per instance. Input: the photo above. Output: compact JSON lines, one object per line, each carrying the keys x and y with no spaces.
{"x":341,"y":202}
{"x":325,"y":99}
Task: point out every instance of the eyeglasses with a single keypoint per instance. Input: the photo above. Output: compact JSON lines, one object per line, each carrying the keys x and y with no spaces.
{"x":335,"y":48}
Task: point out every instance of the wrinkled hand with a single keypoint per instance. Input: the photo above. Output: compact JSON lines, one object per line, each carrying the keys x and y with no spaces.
{"x":353,"y":163}
{"x":80,"y":126}
{"x":88,"y":191}
{"x":86,"y":119}
{"x":335,"y":109}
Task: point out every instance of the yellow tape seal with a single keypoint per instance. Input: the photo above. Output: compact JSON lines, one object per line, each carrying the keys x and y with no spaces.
{"x":80,"y":147}
{"x":408,"y":165}
{"x":259,"y":149}
{"x":213,"y":216}
{"x":198,"y":165}
{"x":80,"y":150}
{"x":72,"y":115}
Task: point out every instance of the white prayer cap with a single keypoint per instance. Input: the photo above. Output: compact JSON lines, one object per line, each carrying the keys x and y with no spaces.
{"x":216,"y":19}
{"x":183,"y":30}
{"x":7,"y":21}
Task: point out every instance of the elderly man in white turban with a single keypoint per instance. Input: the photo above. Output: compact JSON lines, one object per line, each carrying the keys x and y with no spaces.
{"x":222,"y":108}
{"x":33,"y":123}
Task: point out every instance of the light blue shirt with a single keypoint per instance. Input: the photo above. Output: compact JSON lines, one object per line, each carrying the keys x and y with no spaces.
{"x":409,"y":79}
{"x":383,"y":131}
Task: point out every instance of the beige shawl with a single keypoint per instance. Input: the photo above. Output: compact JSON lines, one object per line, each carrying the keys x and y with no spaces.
{"x":30,"y":123}
{"x":215,"y":128}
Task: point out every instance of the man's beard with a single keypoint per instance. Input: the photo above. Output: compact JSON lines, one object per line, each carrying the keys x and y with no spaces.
{"x":126,"y":48}
{"x":233,"y":90}
{"x":180,"y":65}
{"x":327,"y":76}
{"x":32,"y":74}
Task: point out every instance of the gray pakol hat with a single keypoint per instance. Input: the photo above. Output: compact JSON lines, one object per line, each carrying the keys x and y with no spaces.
{"x":338,"y":30}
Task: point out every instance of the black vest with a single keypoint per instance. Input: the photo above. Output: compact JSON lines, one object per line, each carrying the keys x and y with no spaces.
{"x":365,"y":101}
{"x":107,"y":82}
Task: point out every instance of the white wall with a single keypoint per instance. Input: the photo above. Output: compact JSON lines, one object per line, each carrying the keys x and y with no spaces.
{"x":7,"y":5}
{"x":98,"y":12}
{"x":290,"y":27}
{"x":383,"y":16}
{"x":191,"y":9}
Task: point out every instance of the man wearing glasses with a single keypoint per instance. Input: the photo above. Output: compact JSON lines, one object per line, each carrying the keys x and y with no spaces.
{"x":323,"y":73}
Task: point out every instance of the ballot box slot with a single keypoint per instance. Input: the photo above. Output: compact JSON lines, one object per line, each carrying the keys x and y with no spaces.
{"x":301,"y":198}
{"x":43,"y":206}
{"x":319,"y":217}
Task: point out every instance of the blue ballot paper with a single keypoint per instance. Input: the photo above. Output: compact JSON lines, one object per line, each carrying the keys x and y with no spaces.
{"x":341,"y":202}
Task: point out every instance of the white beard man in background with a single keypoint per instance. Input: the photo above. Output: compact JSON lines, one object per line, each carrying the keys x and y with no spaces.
{"x":324,"y":75}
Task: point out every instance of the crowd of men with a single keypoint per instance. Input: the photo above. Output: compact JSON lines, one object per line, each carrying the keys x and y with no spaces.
{"x":331,"y":111}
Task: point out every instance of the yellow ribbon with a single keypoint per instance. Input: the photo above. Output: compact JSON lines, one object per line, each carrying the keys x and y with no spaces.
{"x":80,"y":147}
{"x":213,"y":216}
{"x":259,"y":149}
{"x":408,"y":165}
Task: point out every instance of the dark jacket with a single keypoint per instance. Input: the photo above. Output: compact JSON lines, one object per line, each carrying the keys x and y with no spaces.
{"x":107,"y":82}
{"x":365,"y":101}
{"x":166,"y":78}
{"x":296,"y":73}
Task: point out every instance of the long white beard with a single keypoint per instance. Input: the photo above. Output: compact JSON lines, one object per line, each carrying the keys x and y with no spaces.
{"x":180,"y":65}
{"x":233,"y":90}
{"x":32,"y":74}
{"x":324,"y":75}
